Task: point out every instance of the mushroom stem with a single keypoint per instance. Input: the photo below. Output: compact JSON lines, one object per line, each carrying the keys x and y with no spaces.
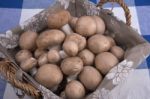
{"x":33,"y":71}
{"x":63,"y":54}
{"x":72,"y":77}
{"x":67,"y":29}
{"x":55,"y":47}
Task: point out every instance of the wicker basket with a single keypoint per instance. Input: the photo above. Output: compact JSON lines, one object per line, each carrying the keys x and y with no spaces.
{"x":136,"y":47}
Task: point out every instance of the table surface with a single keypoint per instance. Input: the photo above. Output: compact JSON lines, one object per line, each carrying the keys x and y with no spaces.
{"x":14,"y":12}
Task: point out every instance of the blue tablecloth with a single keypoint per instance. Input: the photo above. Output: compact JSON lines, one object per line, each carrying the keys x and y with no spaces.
{"x":13,"y":12}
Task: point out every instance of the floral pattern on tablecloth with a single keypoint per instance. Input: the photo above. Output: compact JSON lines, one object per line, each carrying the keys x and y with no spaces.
{"x":120,"y":72}
{"x":101,"y":94}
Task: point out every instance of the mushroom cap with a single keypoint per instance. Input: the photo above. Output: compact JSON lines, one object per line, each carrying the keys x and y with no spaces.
{"x":87,"y":57}
{"x":117,"y":51}
{"x":100,"y":25}
{"x":71,"y":65}
{"x":28,"y":64}
{"x":105,"y":61}
{"x":43,"y":59}
{"x":58,"y":19}
{"x":90,"y":77}
{"x":111,"y":40}
{"x":80,"y":40}
{"x":22,"y":55}
{"x":70,"y":48}
{"x":38,"y":53}
{"x":72,"y":22}
{"x":27,"y":40}
{"x":49,"y":75}
{"x":74,"y":90}
{"x":86,"y":26}
{"x":53,"y":56}
{"x":98,"y":43}
{"x":50,"y":38}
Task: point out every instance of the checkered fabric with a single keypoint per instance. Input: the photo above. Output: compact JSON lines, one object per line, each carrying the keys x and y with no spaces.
{"x":14,"y":12}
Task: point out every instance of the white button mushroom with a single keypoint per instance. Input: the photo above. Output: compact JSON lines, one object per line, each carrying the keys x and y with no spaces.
{"x":49,"y":75}
{"x":105,"y":61}
{"x":90,"y":77}
{"x":74,"y":90}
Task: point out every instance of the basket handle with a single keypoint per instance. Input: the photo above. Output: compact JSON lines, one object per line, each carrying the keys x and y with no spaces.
{"x":123,"y":5}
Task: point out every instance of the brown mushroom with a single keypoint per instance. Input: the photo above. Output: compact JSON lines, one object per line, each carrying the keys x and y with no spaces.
{"x":90,"y":77}
{"x":22,"y":55}
{"x":100,"y":25}
{"x":28,"y":64}
{"x":72,"y":22}
{"x":43,"y":59}
{"x":71,"y":48}
{"x":27,"y":40}
{"x":39,"y":52}
{"x":80,"y":40}
{"x":105,"y":61}
{"x":71,"y":67}
{"x":49,"y":75}
{"x":74,"y":90}
{"x":87,"y":57}
{"x":98,"y":43}
{"x":50,"y":38}
{"x":53,"y":56}
{"x":111,"y":40}
{"x":74,"y":43}
{"x":86,"y":26}
{"x":60,"y":20}
{"x":117,"y":51}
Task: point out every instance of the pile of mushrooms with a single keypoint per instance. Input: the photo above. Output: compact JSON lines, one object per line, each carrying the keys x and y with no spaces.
{"x":74,"y":50}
